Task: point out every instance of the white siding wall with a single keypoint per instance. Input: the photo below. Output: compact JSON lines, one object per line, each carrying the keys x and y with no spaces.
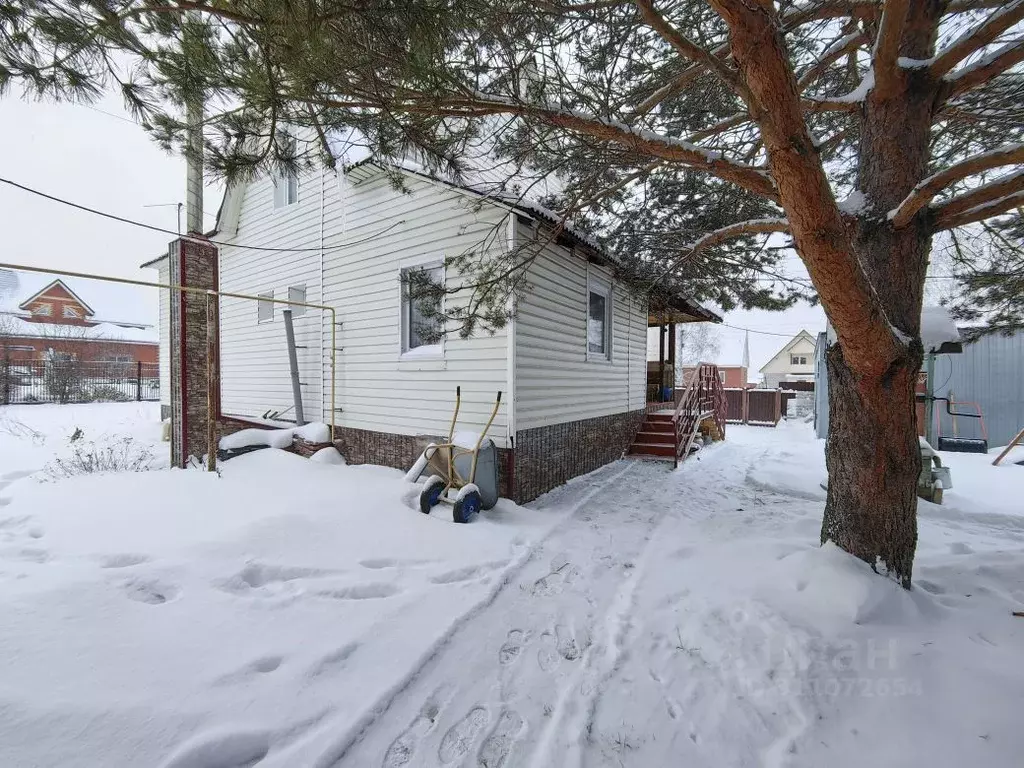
{"x":255,"y":375}
{"x":378,"y":389}
{"x":164,"y":329}
{"x":555,"y":382}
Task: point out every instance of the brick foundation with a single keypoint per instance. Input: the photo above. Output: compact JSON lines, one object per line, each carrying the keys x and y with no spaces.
{"x":364,"y":446}
{"x":546,"y":457}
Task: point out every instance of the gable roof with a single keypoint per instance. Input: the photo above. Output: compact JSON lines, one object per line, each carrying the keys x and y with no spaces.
{"x":57,"y":284}
{"x":803,"y":335}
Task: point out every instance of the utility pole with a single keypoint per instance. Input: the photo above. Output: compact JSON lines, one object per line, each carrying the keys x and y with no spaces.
{"x":194,"y":158}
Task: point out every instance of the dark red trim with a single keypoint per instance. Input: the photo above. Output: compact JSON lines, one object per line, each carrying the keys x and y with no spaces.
{"x":181,"y":352}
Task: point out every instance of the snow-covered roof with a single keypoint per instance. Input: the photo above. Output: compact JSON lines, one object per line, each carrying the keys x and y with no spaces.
{"x":804,"y":335}
{"x":16,"y":325}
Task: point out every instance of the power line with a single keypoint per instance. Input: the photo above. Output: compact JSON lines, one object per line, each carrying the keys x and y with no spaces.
{"x":153,"y":228}
{"x":763,"y":333}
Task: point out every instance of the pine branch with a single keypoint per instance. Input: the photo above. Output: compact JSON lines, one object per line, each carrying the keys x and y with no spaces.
{"x":887,"y":48}
{"x":924,"y":192}
{"x":719,"y":236}
{"x":983,"y":202}
{"x":977,"y":38}
{"x":689,"y":49}
{"x":836,"y":51}
{"x":984,"y":70}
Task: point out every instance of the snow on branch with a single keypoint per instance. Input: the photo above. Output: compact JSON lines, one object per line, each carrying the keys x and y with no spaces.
{"x":985,"y":69}
{"x":887,"y":46}
{"x":719,"y":236}
{"x":926,"y":190}
{"x":983,"y":202}
{"x":977,"y":38}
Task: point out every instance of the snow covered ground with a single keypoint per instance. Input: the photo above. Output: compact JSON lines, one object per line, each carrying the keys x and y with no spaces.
{"x":295,"y":613}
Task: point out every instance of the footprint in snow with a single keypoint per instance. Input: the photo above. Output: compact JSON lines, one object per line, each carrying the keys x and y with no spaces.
{"x":509,"y":651}
{"x":255,"y":668}
{"x":467,"y":573}
{"x":460,"y":737}
{"x":403,"y":748}
{"x":125,"y":560}
{"x":333,"y":660}
{"x":361,"y":592}
{"x":497,"y":747}
{"x":150,"y":591}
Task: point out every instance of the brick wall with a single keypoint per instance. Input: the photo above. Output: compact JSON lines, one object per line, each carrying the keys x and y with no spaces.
{"x":192,"y":263}
{"x":547,"y":457}
{"x":364,"y":446}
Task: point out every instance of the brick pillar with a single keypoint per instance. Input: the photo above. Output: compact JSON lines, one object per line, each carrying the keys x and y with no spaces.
{"x":192,"y":263}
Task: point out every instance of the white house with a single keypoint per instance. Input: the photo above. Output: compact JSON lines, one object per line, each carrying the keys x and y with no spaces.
{"x":571,"y":365}
{"x":794,"y":362}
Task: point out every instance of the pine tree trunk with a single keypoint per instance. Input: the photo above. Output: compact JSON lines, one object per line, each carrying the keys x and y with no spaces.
{"x":873,"y":462}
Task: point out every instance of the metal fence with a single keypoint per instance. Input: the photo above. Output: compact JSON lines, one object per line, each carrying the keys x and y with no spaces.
{"x":77,"y":381}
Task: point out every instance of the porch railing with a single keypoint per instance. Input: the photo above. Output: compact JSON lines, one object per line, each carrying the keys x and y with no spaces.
{"x":703,"y":397}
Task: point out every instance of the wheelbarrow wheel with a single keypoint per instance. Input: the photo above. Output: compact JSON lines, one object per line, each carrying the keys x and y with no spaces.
{"x":431,"y":493}
{"x":466,"y":507}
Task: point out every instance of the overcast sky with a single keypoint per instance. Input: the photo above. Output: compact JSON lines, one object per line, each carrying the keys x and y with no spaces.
{"x":107,"y":162}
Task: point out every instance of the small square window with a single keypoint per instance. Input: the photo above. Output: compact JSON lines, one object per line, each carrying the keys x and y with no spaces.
{"x":422,"y":324}
{"x":798,"y":360}
{"x":265,"y":309}
{"x":599,"y":314}
{"x":297,"y":293}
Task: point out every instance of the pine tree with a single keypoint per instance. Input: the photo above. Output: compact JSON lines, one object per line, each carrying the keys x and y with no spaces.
{"x":683,"y":133}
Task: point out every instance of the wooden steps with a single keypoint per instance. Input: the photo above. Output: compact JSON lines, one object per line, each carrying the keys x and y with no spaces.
{"x":656,"y":439}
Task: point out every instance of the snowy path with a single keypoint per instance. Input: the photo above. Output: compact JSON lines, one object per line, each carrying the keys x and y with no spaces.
{"x":522,"y":682}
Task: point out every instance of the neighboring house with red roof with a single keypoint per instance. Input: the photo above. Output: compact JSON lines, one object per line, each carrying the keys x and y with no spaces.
{"x":57,"y":321}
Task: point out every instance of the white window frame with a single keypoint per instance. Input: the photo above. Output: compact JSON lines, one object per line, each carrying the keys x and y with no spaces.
{"x":286,"y":183}
{"x":43,"y":310}
{"x":797,"y":359}
{"x":297,"y":293}
{"x":262,"y":307}
{"x":425,"y":351}
{"x":603,"y":288}
{"x":70,"y":312}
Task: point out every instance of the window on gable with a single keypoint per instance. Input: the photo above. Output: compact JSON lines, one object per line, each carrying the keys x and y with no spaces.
{"x":70,"y":311}
{"x":286,"y":181}
{"x":265,"y":309}
{"x":43,"y":309}
{"x":297,"y":293}
{"x":798,"y":359}
{"x":422,"y":324}
{"x":599,"y":321}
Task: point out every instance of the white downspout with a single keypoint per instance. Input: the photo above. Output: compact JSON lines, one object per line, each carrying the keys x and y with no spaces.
{"x":510,"y":340}
{"x":324,"y":416}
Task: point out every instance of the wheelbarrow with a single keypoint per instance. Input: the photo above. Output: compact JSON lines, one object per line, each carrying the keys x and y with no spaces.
{"x":464,"y":476}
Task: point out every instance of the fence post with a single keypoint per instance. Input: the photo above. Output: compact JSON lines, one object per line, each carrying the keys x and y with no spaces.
{"x":745,"y":400}
{"x":138,"y":380}
{"x":5,"y":379}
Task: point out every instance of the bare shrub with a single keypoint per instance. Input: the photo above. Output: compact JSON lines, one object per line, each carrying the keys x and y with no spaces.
{"x":108,"y":454}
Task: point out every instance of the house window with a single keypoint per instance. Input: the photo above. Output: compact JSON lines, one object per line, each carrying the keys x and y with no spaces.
{"x":43,"y":309}
{"x":116,"y":359}
{"x":798,"y":360}
{"x":286,"y":181}
{"x":265,"y":309}
{"x":297,"y":293}
{"x":599,"y":321}
{"x":70,"y":312}
{"x":422,"y":325}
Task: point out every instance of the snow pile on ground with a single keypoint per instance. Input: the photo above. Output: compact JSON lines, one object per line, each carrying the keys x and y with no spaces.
{"x":291,"y":613}
{"x":314,"y":432}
